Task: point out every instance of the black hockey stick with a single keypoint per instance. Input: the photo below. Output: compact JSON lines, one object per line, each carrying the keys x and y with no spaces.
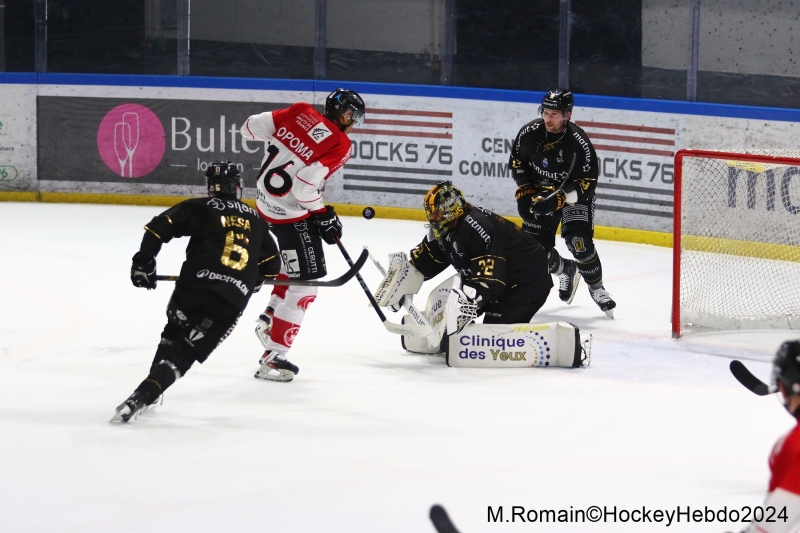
{"x":441,"y":521}
{"x":750,"y":382}
{"x":399,"y":329}
{"x":336,"y":282}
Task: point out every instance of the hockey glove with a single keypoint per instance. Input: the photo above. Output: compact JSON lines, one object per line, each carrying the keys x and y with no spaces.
{"x":328,"y":224}
{"x":524,"y":199}
{"x":542,"y":206}
{"x":143,"y":271}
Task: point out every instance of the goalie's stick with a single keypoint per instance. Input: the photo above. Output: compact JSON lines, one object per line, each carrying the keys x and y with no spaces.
{"x":409,"y":306}
{"x":412,"y":330}
{"x":336,"y":282}
{"x":750,"y":382}
{"x":441,"y":521}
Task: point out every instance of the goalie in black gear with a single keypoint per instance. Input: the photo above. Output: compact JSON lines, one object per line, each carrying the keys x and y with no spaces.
{"x":503,"y":270}
{"x":555,"y":167}
{"x":230,"y":254}
{"x":502,"y":275}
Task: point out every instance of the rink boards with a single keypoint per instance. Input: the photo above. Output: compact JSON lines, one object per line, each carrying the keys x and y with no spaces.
{"x":63,"y":137}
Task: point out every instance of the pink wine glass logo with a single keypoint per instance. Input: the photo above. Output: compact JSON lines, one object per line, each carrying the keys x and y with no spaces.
{"x":131,"y":140}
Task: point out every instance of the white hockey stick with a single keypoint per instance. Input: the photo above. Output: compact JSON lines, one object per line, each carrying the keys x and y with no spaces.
{"x":421,"y":326}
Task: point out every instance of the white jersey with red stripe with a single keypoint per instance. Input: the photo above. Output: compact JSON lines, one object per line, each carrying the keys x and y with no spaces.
{"x":303,"y":148}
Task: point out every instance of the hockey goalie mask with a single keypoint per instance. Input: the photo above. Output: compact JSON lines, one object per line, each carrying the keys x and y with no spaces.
{"x":444,"y":205}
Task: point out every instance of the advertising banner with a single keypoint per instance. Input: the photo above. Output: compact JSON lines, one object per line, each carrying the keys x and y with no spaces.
{"x":407,"y":145}
{"x":108,"y":140}
{"x":101,"y":140}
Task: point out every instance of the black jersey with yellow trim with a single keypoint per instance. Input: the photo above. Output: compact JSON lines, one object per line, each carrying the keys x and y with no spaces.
{"x":491,"y":253}
{"x":546,"y":160}
{"x":229,"y":245}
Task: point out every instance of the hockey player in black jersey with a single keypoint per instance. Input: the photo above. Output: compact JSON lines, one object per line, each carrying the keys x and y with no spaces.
{"x":503,"y":270}
{"x":229,"y":255}
{"x":555,"y":167}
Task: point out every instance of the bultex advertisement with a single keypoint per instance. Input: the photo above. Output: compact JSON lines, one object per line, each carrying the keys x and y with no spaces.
{"x":154,"y":141}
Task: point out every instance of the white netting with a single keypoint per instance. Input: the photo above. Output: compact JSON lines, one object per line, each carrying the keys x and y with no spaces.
{"x":740,"y":242}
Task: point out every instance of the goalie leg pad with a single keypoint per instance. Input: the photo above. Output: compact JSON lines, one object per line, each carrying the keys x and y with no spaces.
{"x":519,"y":345}
{"x":460,"y":311}
{"x":435,"y":313}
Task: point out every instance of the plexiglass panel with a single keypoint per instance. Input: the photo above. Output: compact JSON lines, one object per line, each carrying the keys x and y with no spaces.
{"x":119,"y":37}
{"x":252,"y":38}
{"x":665,"y":48}
{"x":606,"y":47}
{"x":388,"y":41}
{"x":506,"y":45}
{"x":749,"y":53}
{"x":17,"y":37}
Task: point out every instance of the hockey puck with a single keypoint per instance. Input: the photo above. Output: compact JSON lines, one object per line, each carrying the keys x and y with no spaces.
{"x":368,"y":213}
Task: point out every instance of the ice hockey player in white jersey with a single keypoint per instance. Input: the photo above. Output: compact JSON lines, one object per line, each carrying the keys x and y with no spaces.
{"x":303,"y":149}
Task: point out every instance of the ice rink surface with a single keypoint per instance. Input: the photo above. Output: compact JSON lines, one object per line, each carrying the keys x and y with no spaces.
{"x":367,"y":436}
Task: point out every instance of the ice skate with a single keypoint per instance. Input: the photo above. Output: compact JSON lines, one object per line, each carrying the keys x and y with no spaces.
{"x":131,"y":407}
{"x":568,"y":282}
{"x":264,"y":326}
{"x":603,"y":300}
{"x":273,"y":366}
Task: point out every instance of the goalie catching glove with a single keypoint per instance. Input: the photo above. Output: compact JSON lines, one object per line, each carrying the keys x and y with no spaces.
{"x":401,"y":278}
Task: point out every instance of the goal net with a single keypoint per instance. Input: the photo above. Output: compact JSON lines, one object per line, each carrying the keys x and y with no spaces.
{"x":736,"y":245}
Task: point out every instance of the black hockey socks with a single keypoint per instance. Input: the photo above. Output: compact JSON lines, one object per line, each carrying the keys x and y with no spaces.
{"x":555,"y":264}
{"x":162,"y":376}
{"x":592,"y":271}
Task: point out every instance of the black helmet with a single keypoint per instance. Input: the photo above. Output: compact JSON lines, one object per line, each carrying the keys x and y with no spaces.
{"x":222,"y":177}
{"x":339,"y":101}
{"x":444,"y":205}
{"x":786,"y":366}
{"x":558,"y":99}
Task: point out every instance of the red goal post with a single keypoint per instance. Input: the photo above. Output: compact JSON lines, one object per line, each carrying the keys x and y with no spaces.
{"x":736,"y":240}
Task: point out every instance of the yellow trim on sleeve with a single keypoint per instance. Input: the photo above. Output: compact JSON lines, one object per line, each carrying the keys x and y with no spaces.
{"x":153,"y":232}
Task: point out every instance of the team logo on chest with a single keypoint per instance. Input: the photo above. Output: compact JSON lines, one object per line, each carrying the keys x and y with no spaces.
{"x":545,"y":164}
{"x":319,"y":133}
